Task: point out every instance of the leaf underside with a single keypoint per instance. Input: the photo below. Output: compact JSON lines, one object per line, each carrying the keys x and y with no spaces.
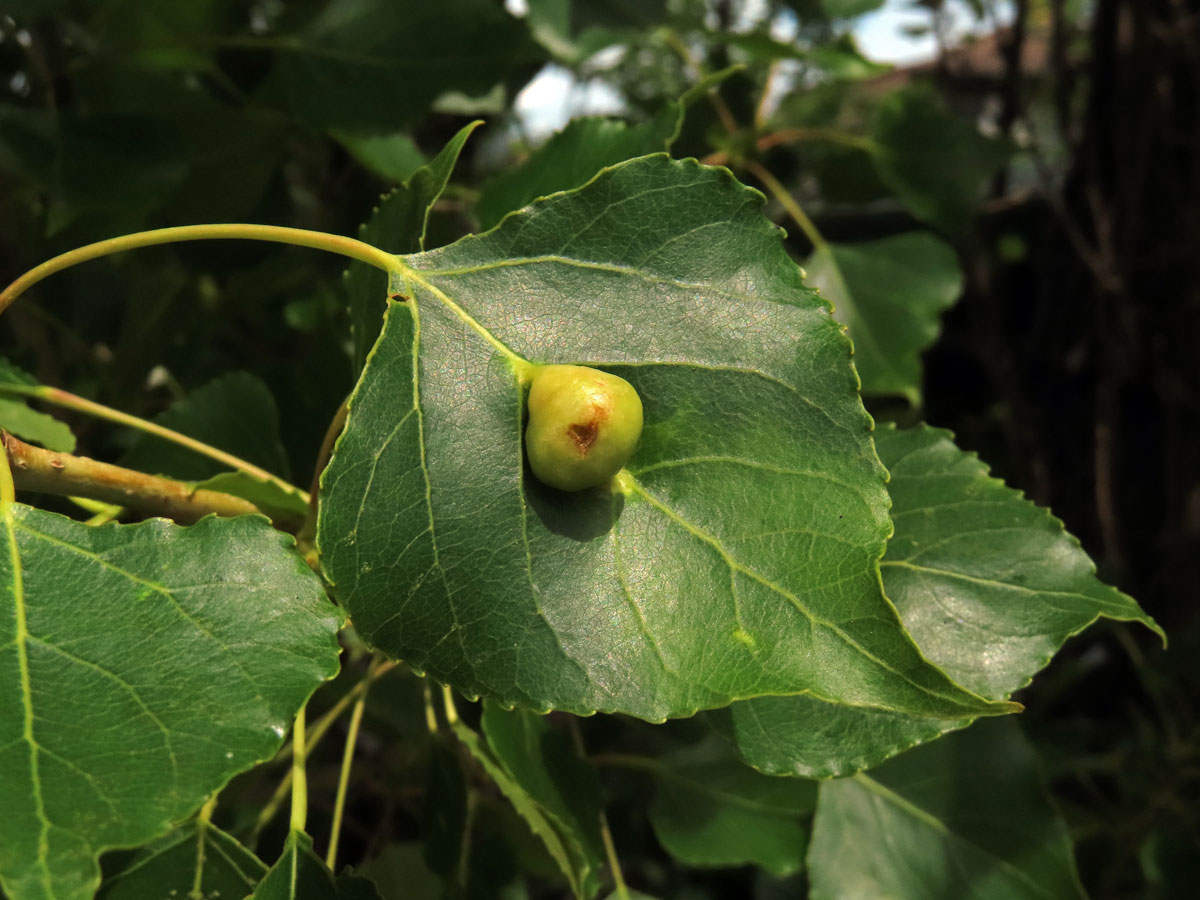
{"x":742,"y":559}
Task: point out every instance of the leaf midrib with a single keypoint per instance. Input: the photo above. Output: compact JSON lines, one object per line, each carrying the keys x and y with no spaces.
{"x":21,"y":640}
{"x":816,"y":620}
{"x":523,"y":369}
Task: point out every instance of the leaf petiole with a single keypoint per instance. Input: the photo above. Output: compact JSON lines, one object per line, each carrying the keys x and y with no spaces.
{"x":299,"y":779}
{"x":300,"y":237}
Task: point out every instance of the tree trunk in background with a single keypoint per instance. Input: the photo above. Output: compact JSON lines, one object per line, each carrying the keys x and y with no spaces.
{"x":1135,"y":194}
{"x":1086,"y":356}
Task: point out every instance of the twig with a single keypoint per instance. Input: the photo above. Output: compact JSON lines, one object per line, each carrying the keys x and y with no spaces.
{"x":67,"y":400}
{"x":339,"y":803}
{"x":36,"y":469}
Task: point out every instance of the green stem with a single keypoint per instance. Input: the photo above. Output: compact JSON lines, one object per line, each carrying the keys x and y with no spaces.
{"x":448,"y":705}
{"x":610,"y":848}
{"x":315,"y":734}
{"x":67,"y":400}
{"x":789,"y":204}
{"x":203,"y":818}
{"x":339,"y":803}
{"x":431,"y":721}
{"x":464,"y":851}
{"x":299,"y":781}
{"x":299,"y":237}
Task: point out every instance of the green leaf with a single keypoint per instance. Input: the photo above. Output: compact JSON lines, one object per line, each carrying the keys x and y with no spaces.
{"x":809,"y":738}
{"x":574,"y":155}
{"x":395,"y":157}
{"x":572,"y":30}
{"x":989,"y":585}
{"x":298,"y":874}
{"x":354,"y":886}
{"x":833,"y":9}
{"x":938,"y":163}
{"x":401,"y":873}
{"x":196,"y":856}
{"x":890,"y":293}
{"x":735,"y":557}
{"x":709,"y":809}
{"x":376,"y":66}
{"x":964,"y":817}
{"x":235,"y":413}
{"x":29,"y":424}
{"x":399,"y":224}
{"x":145,"y":665}
{"x":560,"y":843}
{"x":283,"y":507}
{"x":542,"y":761}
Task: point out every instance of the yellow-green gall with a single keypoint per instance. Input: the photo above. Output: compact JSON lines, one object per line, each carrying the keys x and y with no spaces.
{"x":584,"y":425}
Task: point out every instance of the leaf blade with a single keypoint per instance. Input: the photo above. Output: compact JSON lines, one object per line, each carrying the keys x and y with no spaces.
{"x":433,"y":450}
{"x":231,"y":635}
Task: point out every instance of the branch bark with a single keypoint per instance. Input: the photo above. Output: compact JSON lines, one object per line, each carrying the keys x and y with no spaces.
{"x":37,"y":469}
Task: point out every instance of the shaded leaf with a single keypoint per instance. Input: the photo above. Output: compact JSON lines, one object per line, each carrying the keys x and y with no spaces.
{"x":736,"y":557}
{"x":400,"y":872}
{"x":29,"y":424}
{"x":398,"y":224}
{"x":194,"y":857}
{"x":989,"y":585}
{"x":938,"y":163}
{"x":963,"y":817}
{"x":146,"y":665}
{"x":572,"y":156}
{"x":710,"y":809}
{"x":572,"y":30}
{"x":833,"y":9}
{"x":235,"y":413}
{"x":445,"y":811}
{"x":298,"y":874}
{"x":890,"y":293}
{"x":541,"y":760}
{"x":392,"y":156}
{"x":352,"y":885}
{"x":283,"y":507}
{"x":376,"y":66}
{"x":561,"y":845}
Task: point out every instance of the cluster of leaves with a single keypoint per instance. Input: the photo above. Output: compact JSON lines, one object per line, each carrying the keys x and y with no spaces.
{"x":804,"y":596}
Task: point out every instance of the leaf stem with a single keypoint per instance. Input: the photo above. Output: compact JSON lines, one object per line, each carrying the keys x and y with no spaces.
{"x":315,"y":734}
{"x":789,"y":204}
{"x":203,"y":818}
{"x":448,"y":705}
{"x":36,"y":469}
{"x":339,"y":802}
{"x":301,"y":237}
{"x":431,"y":721}
{"x":610,"y":848}
{"x":68,"y":400}
{"x":299,"y":781}
{"x":464,"y":852}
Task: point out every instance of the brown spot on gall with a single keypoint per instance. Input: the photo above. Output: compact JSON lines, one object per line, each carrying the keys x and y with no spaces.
{"x":583,"y":436}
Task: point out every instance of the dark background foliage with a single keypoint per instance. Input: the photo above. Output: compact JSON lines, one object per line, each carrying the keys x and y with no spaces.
{"x":1069,"y":364}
